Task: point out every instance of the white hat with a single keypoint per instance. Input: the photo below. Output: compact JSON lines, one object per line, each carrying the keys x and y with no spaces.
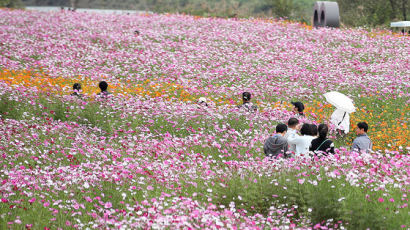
{"x":202,"y":99}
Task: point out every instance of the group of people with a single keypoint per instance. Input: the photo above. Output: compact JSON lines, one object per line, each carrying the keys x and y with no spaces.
{"x":296,"y":139}
{"x":306,"y":139}
{"x":102,"y":85}
{"x":309,"y":140}
{"x":291,"y":139}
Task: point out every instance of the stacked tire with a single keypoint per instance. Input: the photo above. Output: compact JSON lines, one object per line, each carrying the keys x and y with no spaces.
{"x":326,"y":14}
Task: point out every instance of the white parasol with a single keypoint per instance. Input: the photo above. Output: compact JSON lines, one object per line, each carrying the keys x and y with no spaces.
{"x":340,"y":101}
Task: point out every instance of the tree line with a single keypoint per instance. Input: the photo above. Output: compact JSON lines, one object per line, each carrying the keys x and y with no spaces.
{"x":352,"y":12}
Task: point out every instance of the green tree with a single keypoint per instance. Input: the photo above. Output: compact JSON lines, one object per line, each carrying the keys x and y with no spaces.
{"x":372,"y":12}
{"x":11,"y":3}
{"x":279,"y":8}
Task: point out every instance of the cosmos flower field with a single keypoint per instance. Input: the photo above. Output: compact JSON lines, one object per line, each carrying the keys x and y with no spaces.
{"x":149,"y":157}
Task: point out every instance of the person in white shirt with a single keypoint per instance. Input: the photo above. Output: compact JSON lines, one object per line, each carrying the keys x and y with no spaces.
{"x":302,"y":142}
{"x":292,"y":123}
{"x":341,"y":120}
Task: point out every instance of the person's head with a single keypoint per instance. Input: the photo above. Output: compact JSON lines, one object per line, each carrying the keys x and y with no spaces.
{"x":77,"y":86}
{"x":137,"y":32}
{"x":313,"y":129}
{"x":292,"y":122}
{"x":361,"y":128}
{"x":305,"y":130}
{"x":323,"y":129}
{"x":246,"y":96}
{"x":298,"y":107}
{"x":103,"y":85}
{"x":281,"y":129}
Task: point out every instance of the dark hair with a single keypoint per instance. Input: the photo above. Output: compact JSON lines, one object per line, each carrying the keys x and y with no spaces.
{"x":305,"y":130}
{"x":76,"y":86}
{"x":313,"y":129}
{"x":246,"y":96}
{"x":280,"y":128}
{"x":299,"y":105}
{"x":293,"y":121}
{"x":363,"y":125}
{"x":323,"y":129}
{"x":137,"y":32}
{"x":103,"y":85}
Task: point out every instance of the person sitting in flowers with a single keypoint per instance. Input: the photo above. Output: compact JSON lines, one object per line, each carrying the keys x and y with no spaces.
{"x":277,"y":145}
{"x":314,"y":130}
{"x":298,"y":109}
{"x":292,"y":123}
{"x":362,"y":142}
{"x":322,"y":145}
{"x":302,"y":142}
{"x":77,"y":89}
{"x":247,"y":104}
{"x":104,"y":92}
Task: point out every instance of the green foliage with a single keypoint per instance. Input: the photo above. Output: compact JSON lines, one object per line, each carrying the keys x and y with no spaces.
{"x":372,"y":12}
{"x":8,"y":108}
{"x":94,"y":114}
{"x":321,"y":200}
{"x":280,"y":8}
{"x":11,"y":4}
{"x":352,"y":12}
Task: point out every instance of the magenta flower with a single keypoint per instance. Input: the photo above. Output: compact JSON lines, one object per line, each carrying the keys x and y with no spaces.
{"x":108,"y":205}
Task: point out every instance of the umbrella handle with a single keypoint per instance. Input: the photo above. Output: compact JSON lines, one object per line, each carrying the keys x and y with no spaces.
{"x":342,"y":119}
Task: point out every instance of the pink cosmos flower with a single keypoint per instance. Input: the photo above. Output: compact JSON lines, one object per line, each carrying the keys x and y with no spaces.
{"x":108,"y":205}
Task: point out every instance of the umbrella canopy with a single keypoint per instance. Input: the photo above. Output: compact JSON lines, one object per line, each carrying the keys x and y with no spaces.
{"x":340,"y":101}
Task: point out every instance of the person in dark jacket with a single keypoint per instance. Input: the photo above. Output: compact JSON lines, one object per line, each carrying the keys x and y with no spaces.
{"x":314,"y":130}
{"x":322,"y":145}
{"x":277,"y":145}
